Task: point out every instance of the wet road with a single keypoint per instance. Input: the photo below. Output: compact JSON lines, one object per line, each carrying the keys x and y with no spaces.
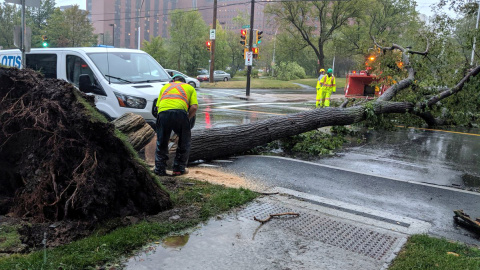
{"x":387,"y":173}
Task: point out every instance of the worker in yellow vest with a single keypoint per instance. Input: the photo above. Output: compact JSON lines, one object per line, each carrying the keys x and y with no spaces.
{"x":177,"y":105}
{"x":328,"y":86}
{"x":319,"y":87}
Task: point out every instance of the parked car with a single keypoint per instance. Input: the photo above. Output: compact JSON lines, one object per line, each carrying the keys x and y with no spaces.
{"x":184,"y":78}
{"x":218,"y":75}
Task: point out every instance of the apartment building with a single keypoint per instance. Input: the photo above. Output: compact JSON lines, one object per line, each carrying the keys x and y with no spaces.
{"x":122,"y":19}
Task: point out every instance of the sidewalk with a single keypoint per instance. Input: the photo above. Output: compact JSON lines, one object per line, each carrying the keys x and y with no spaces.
{"x":327,"y":234}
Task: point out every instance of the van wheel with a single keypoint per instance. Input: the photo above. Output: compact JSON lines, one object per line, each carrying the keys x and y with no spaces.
{"x":192,"y":84}
{"x":225,"y":79}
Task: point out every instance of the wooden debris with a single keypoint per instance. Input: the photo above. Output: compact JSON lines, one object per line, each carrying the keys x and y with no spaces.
{"x":465,"y":219}
{"x":139,"y":133}
{"x":263,"y":221}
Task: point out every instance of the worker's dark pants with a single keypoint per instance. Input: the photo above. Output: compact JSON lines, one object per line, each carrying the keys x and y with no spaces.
{"x":176,"y":120}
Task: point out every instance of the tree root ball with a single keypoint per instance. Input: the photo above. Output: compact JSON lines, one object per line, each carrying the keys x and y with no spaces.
{"x":57,"y":162}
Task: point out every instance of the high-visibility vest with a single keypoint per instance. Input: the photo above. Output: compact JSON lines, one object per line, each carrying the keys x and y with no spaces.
{"x":176,"y":96}
{"x":328,"y":81}
{"x":169,"y":94}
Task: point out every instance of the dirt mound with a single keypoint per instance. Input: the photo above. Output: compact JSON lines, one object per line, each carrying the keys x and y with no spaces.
{"x":58,"y":163}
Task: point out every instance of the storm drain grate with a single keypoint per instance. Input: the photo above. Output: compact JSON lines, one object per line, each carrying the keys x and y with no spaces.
{"x":325,"y":229}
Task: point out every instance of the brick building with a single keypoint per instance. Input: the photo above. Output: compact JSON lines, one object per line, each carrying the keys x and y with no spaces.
{"x":122,"y":18}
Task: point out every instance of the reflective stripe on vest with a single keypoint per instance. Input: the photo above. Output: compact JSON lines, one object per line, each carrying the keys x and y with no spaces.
{"x":181,"y":95}
{"x":328,"y":79}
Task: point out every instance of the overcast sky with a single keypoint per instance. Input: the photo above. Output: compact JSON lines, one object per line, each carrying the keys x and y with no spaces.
{"x":423,"y":5}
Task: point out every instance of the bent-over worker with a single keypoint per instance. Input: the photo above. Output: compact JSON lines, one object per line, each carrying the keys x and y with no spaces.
{"x":177,"y":105}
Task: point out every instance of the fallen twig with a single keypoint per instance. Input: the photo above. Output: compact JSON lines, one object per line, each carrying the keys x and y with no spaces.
{"x":274,"y":215}
{"x":268,"y":193}
{"x":467,"y":220}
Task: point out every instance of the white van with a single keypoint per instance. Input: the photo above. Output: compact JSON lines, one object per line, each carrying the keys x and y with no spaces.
{"x":122,"y":80}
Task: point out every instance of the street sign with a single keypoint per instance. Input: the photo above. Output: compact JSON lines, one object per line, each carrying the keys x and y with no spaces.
{"x":249,"y":59}
{"x":30,"y":3}
{"x":212,"y":34}
{"x":246,"y":26}
{"x":17,"y":37}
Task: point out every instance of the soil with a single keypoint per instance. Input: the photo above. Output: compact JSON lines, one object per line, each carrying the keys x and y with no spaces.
{"x":61,"y":170}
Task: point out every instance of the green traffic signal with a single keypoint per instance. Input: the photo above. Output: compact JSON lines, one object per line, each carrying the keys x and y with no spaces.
{"x":45,"y":44}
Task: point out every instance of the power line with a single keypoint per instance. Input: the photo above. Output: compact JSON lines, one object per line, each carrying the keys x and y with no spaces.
{"x":166,"y":14}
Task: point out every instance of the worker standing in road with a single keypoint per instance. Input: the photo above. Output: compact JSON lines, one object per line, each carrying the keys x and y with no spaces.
{"x":177,"y":105}
{"x":328,"y":86}
{"x":319,"y":87}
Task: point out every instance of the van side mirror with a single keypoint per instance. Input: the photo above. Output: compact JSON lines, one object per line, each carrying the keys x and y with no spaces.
{"x":84,"y":83}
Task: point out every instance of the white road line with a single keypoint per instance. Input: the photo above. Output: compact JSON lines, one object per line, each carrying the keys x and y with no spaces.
{"x":375,"y":175}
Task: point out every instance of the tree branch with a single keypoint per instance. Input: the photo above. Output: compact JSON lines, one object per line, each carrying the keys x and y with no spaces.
{"x":457,"y":88}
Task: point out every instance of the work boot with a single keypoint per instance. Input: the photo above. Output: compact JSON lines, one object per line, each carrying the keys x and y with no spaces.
{"x":160,"y":172}
{"x":179,"y":170}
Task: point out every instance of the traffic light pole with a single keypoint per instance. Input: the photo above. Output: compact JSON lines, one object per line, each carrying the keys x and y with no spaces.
{"x":250,"y":45}
{"x":212,"y":52}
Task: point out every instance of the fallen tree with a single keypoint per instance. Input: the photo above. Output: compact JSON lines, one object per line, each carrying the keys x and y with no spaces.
{"x":208,"y":144}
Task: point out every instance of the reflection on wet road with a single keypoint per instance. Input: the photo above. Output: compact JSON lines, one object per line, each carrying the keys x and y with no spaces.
{"x":449,"y":158}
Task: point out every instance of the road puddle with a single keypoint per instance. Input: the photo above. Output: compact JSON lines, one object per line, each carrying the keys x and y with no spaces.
{"x":176,"y":241}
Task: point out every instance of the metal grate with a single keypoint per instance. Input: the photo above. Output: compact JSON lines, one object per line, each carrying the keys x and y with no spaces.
{"x":326,"y":229}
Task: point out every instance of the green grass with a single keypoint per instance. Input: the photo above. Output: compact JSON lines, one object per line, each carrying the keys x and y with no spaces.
{"x":424,"y":252}
{"x":240,"y":83}
{"x":9,"y":237}
{"x":101,"y":248}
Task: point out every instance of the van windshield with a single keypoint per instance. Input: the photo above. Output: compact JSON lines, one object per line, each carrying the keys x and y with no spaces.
{"x":126,"y":67}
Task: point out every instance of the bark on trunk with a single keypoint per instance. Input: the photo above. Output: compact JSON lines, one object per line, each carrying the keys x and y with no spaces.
{"x":139,"y":133}
{"x":208,"y":144}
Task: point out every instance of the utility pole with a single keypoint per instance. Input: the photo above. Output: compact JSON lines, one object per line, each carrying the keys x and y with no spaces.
{"x":24,"y":30}
{"x":475,"y":37}
{"x":250,"y":45}
{"x":212,"y":52}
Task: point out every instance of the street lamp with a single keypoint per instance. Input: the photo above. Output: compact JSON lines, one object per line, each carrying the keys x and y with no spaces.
{"x":113,"y":34}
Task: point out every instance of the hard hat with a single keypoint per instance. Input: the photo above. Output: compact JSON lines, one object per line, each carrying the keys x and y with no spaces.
{"x":322,"y":70}
{"x":329,"y":70}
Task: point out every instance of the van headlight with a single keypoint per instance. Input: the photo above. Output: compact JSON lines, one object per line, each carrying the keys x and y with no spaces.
{"x":130,"y":101}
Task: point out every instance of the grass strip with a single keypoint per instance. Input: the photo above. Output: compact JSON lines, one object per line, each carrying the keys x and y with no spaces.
{"x":100,"y":248}
{"x":425,"y":252}
{"x":254,"y":84}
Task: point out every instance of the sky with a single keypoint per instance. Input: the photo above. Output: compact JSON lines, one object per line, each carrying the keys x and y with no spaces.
{"x":423,"y":5}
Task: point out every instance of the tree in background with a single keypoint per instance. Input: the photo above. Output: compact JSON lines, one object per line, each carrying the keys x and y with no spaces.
{"x":37,"y":20}
{"x":186,"y":46}
{"x":316,"y":22}
{"x":70,"y":28}
{"x":9,"y":17}
{"x":156,"y":48}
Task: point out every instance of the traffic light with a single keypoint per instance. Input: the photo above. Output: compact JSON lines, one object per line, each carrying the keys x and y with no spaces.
{"x":44,"y":41}
{"x":258,"y":36}
{"x":255,"y":52}
{"x":243,"y":37}
{"x":209,"y":45}
{"x":244,"y":54}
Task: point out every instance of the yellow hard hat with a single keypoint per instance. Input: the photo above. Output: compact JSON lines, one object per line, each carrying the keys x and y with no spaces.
{"x":322,"y":70}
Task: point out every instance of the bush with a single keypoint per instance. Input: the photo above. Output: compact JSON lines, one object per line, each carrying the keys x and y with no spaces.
{"x":287,"y":71}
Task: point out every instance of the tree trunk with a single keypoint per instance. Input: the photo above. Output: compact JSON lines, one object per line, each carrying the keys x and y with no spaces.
{"x":139,"y":133}
{"x":208,"y":144}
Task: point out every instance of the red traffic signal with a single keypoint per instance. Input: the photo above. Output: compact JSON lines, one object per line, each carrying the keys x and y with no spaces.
{"x":209,"y":45}
{"x":243,"y":37}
